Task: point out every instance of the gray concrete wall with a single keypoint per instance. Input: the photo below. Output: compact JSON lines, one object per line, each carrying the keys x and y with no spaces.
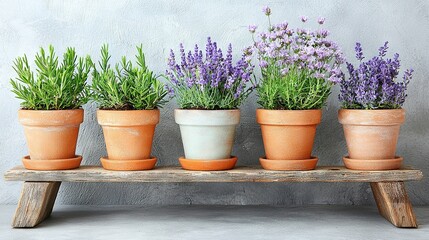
{"x":161,"y":25}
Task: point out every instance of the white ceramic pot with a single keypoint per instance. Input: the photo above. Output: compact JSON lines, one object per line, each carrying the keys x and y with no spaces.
{"x":207,"y":134}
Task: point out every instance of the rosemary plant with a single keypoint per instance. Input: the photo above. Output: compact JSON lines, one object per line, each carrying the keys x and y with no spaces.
{"x":126,"y":87}
{"x":54,"y":86}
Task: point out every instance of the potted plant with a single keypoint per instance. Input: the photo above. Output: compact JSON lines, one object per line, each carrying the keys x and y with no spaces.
{"x":372,"y":111}
{"x":209,"y":89}
{"x":299,"y":67}
{"x":51,"y":111}
{"x":129,"y":97}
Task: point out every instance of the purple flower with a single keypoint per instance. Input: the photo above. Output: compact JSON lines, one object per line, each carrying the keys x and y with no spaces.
{"x":323,"y":33}
{"x":302,"y":49}
{"x":383,"y":49}
{"x":304,"y":19}
{"x":359,"y":53}
{"x":238,"y":92}
{"x":335,"y":79}
{"x":182,"y":54}
{"x":213,"y":75}
{"x":248,"y":51}
{"x":319,"y":75}
{"x":408,"y":75}
{"x":266,"y":10}
{"x":284,"y":71}
{"x":171,"y":59}
{"x":252,"y":28}
{"x":263,"y":64}
{"x":373,"y":85}
{"x":169,"y":89}
{"x":190,"y":81}
{"x":321,"y":20}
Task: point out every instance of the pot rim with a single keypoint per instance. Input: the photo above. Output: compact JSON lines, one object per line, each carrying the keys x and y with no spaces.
{"x":51,"y":117}
{"x":378,"y":117}
{"x":372,"y":110}
{"x":207,"y":117}
{"x":125,"y":118}
{"x":124,"y":110}
{"x":51,"y":110}
{"x":288,"y":117}
{"x":292,"y":110}
{"x":206,"y":110}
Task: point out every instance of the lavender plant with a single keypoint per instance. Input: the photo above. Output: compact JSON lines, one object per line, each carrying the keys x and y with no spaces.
{"x":127,"y":86}
{"x":298,"y":66}
{"x":209,"y":82}
{"x":372,"y":84}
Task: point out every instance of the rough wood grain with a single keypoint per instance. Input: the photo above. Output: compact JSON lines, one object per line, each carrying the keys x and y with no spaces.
{"x":393,"y":203}
{"x":36,"y":203}
{"x":239,"y":174}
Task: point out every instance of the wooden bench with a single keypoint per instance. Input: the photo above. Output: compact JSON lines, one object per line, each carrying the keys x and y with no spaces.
{"x":41,"y":187}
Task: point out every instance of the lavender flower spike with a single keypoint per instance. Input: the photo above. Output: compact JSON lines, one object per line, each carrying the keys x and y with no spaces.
{"x":263,"y":64}
{"x":266,"y":10}
{"x":252,"y":28}
{"x":359,"y":54}
{"x":383,"y":49}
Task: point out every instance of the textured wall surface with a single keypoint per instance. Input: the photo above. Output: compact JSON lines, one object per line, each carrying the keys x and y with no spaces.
{"x":161,"y":25}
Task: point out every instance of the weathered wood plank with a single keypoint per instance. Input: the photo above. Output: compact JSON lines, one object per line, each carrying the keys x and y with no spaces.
{"x":36,"y":203}
{"x":239,"y":174}
{"x":393,"y":203}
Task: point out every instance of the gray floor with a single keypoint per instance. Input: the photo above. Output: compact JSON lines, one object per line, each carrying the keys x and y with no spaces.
{"x":214,"y":222}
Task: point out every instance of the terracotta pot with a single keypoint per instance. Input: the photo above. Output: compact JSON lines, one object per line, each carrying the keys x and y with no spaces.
{"x":51,"y":138}
{"x":371,"y":135}
{"x":288,"y":135}
{"x":208,"y":135}
{"x":128,"y":135}
{"x":52,"y":135}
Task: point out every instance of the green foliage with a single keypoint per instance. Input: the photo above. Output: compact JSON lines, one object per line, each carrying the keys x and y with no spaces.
{"x":297,"y":90}
{"x":56,"y":86}
{"x":211,"y":98}
{"x":126,"y":87}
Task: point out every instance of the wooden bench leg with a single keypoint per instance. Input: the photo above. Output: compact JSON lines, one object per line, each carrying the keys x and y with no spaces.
{"x":36,"y":203}
{"x":393,"y":203}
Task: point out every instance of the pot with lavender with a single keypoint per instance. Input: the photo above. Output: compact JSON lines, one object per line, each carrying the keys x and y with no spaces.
{"x":372,"y":113}
{"x":209,"y":89}
{"x":299,"y":67}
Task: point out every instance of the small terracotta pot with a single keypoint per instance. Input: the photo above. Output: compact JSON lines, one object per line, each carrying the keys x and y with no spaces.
{"x":51,"y":135}
{"x":288,"y":135}
{"x":128,"y":135}
{"x":371,"y":135}
{"x":207,"y":135}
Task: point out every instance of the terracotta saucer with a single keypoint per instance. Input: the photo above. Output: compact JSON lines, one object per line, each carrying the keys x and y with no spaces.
{"x":128,"y":165}
{"x":208,"y":165}
{"x":289,"y":165}
{"x":373,"y":165}
{"x":53,"y":164}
